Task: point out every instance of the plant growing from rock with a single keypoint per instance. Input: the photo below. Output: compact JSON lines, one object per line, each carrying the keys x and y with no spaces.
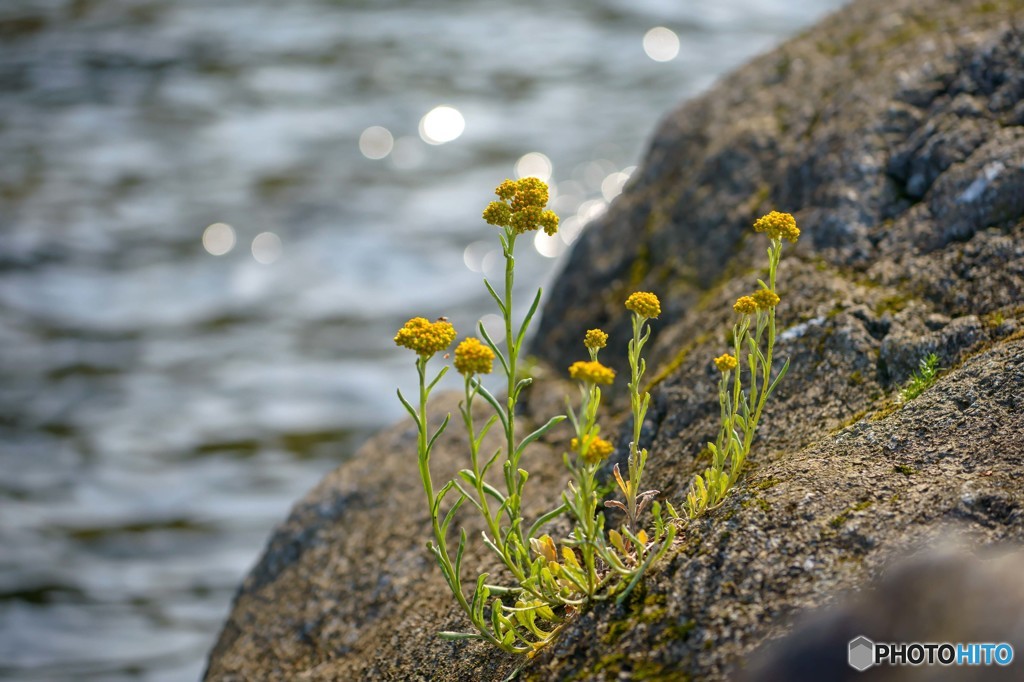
{"x":743,"y":391}
{"x":549,"y":582}
{"x":921,"y":380}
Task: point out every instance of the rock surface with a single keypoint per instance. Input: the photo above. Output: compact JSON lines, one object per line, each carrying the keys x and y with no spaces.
{"x":894,"y":131}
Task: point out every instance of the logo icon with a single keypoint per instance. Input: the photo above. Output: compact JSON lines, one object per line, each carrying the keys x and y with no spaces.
{"x":862,"y":653}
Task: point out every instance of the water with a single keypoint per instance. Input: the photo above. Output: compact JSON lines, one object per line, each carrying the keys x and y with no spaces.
{"x":161,"y":407}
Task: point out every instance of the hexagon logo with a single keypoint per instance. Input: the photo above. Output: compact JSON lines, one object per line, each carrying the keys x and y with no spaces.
{"x":862,"y":653}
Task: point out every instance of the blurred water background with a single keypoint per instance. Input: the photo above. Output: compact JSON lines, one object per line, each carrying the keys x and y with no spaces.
{"x":213,"y":217}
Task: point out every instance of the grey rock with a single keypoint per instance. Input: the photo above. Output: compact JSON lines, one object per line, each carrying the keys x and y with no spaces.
{"x":893,"y":131}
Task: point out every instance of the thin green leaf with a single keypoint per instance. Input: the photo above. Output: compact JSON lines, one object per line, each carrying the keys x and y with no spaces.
{"x":520,"y":385}
{"x":490,"y":462}
{"x":459,"y":552}
{"x":451,"y":636}
{"x":444,"y":370}
{"x":410,"y":408}
{"x":526,"y":321}
{"x":493,"y":346}
{"x":466,"y":496}
{"x":494,"y":295}
{"x":493,"y":547}
{"x":551,"y":423}
{"x":493,"y":402}
{"x":440,"y":430}
{"x":484,"y":430}
{"x":440,"y":497}
{"x":782,"y":373}
{"x":553,"y":514}
{"x":495,"y":613}
{"x":636,"y":578}
{"x":471,"y":479}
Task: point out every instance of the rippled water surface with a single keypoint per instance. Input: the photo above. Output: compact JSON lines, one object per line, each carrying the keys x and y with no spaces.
{"x":161,"y":406}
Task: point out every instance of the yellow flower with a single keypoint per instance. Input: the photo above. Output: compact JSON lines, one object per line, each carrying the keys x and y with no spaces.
{"x":778,"y":226}
{"x":745,"y":305}
{"x":726,"y":362}
{"x":473,"y":357}
{"x":506,"y":190}
{"x":644,"y":304}
{"x":591,"y":371}
{"x":765,"y":298}
{"x":595,"y":338}
{"x":598,"y":449}
{"x":530,"y":193}
{"x":498,"y":213}
{"x":526,"y":219}
{"x":424,"y":337}
{"x":549,"y":221}
{"x":522,"y":206}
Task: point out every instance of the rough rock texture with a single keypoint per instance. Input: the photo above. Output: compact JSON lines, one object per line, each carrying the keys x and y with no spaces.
{"x":894,"y":131}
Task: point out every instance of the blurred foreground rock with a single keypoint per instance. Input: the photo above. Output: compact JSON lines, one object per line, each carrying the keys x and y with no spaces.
{"x":894,"y":131}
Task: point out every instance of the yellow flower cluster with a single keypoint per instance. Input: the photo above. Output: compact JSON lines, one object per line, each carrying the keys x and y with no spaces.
{"x":765,"y":298}
{"x":745,"y":305}
{"x":726,"y":362}
{"x":473,"y":357}
{"x":595,"y":338}
{"x":591,"y":371}
{"x":424,"y":337}
{"x":522,"y":207}
{"x":644,"y":304}
{"x":778,"y":226}
{"x":598,"y":449}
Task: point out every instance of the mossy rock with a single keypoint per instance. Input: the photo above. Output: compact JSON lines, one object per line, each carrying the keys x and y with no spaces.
{"x":894,"y":131}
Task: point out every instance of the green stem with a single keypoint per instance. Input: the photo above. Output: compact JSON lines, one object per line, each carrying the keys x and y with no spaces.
{"x":637,"y":457}
{"x":512,"y":460}
{"x":440,"y":550}
{"x":474,"y":451}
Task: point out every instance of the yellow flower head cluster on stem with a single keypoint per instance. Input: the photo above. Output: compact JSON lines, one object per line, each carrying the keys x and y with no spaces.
{"x":644,"y":304}
{"x":597,"y":451}
{"x":473,"y":357}
{"x":425,"y":337}
{"x":591,"y":371}
{"x":521,"y":207}
{"x":726,"y":362}
{"x":745,"y":305}
{"x":595,"y":338}
{"x":778,"y":226}
{"x":765,"y":298}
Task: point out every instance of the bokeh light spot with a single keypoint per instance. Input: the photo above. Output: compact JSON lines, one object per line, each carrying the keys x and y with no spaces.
{"x":474,"y":254}
{"x":218,"y":239}
{"x":441,"y":124}
{"x":266,"y":248}
{"x":548,"y":246}
{"x":589,"y":210}
{"x":494,"y":324}
{"x":534,"y":165}
{"x":661,"y":44}
{"x":376,"y":142}
{"x":612,"y":185}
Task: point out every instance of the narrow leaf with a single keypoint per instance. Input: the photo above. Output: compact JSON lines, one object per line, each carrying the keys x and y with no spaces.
{"x":527,"y":319}
{"x":493,"y":346}
{"x":553,"y":514}
{"x":410,"y":408}
{"x":551,"y":423}
{"x":494,"y":295}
